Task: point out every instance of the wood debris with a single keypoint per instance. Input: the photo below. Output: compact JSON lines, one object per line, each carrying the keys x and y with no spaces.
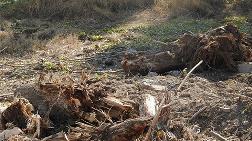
{"x":220,"y":48}
{"x":60,"y":105}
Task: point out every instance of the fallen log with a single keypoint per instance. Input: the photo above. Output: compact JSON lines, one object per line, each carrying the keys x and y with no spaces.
{"x":145,"y":64}
{"x":220,"y":48}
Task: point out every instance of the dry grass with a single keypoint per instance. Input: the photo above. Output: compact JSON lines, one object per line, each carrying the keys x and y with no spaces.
{"x":191,"y":7}
{"x":81,"y":8}
{"x":15,"y":44}
{"x":47,"y":8}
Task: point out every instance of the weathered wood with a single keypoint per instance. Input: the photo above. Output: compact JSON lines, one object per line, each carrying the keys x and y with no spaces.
{"x":220,"y":48}
{"x":18,"y":113}
{"x":125,"y":131}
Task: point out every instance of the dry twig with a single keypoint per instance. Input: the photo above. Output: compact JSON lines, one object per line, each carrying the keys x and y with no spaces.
{"x":65,"y":136}
{"x":217,"y":136}
{"x":184,"y":80}
{"x":3,"y":49}
{"x":53,"y":136}
{"x":197,"y":113}
{"x":37,"y":119}
{"x":155,"y":120}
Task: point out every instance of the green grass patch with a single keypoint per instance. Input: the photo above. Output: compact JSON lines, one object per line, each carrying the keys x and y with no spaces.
{"x":115,"y":30}
{"x":51,"y":66}
{"x":168,"y":31}
{"x":151,"y":36}
{"x":141,"y":43}
{"x":241,"y":22}
{"x":96,"y":37}
{"x":171,"y":30}
{"x":82,"y":33}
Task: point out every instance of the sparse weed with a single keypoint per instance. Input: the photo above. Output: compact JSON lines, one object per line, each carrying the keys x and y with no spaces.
{"x":49,"y":65}
{"x":241,"y":22}
{"x":96,"y":37}
{"x":236,"y":19}
{"x":82,"y":35}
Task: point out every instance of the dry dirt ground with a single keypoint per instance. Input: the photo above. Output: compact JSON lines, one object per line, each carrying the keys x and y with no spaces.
{"x":64,"y":48}
{"x":212,"y":105}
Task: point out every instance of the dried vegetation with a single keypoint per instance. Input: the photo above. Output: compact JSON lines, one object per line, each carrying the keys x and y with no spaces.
{"x":63,"y":103}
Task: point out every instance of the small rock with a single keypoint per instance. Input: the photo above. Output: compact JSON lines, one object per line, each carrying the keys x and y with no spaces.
{"x":150,"y":105}
{"x":152,"y":85}
{"x":174,"y":73}
{"x":196,"y":129}
{"x":245,"y":67}
{"x":152,"y":74}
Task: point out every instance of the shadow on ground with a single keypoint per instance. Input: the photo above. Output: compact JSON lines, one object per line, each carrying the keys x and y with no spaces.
{"x":152,"y":39}
{"x":19,"y":36}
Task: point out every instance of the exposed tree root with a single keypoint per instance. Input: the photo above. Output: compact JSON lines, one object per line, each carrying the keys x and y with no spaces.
{"x":221,"y":48}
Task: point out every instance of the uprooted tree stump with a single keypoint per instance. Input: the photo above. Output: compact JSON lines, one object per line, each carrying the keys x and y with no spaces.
{"x":62,"y":104}
{"x":18,"y":114}
{"x":221,"y":48}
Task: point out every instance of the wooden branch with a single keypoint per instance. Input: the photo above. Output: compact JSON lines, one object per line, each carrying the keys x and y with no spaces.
{"x":65,"y":136}
{"x":184,"y":80}
{"x":128,"y":130}
{"x":217,"y":136}
{"x":197,"y":113}
{"x":52,"y":136}
{"x":241,"y":96}
{"x":3,"y":49}
{"x":114,"y":102}
{"x":37,"y":121}
{"x":160,"y":42}
{"x":104,"y":114}
{"x":155,"y":120}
